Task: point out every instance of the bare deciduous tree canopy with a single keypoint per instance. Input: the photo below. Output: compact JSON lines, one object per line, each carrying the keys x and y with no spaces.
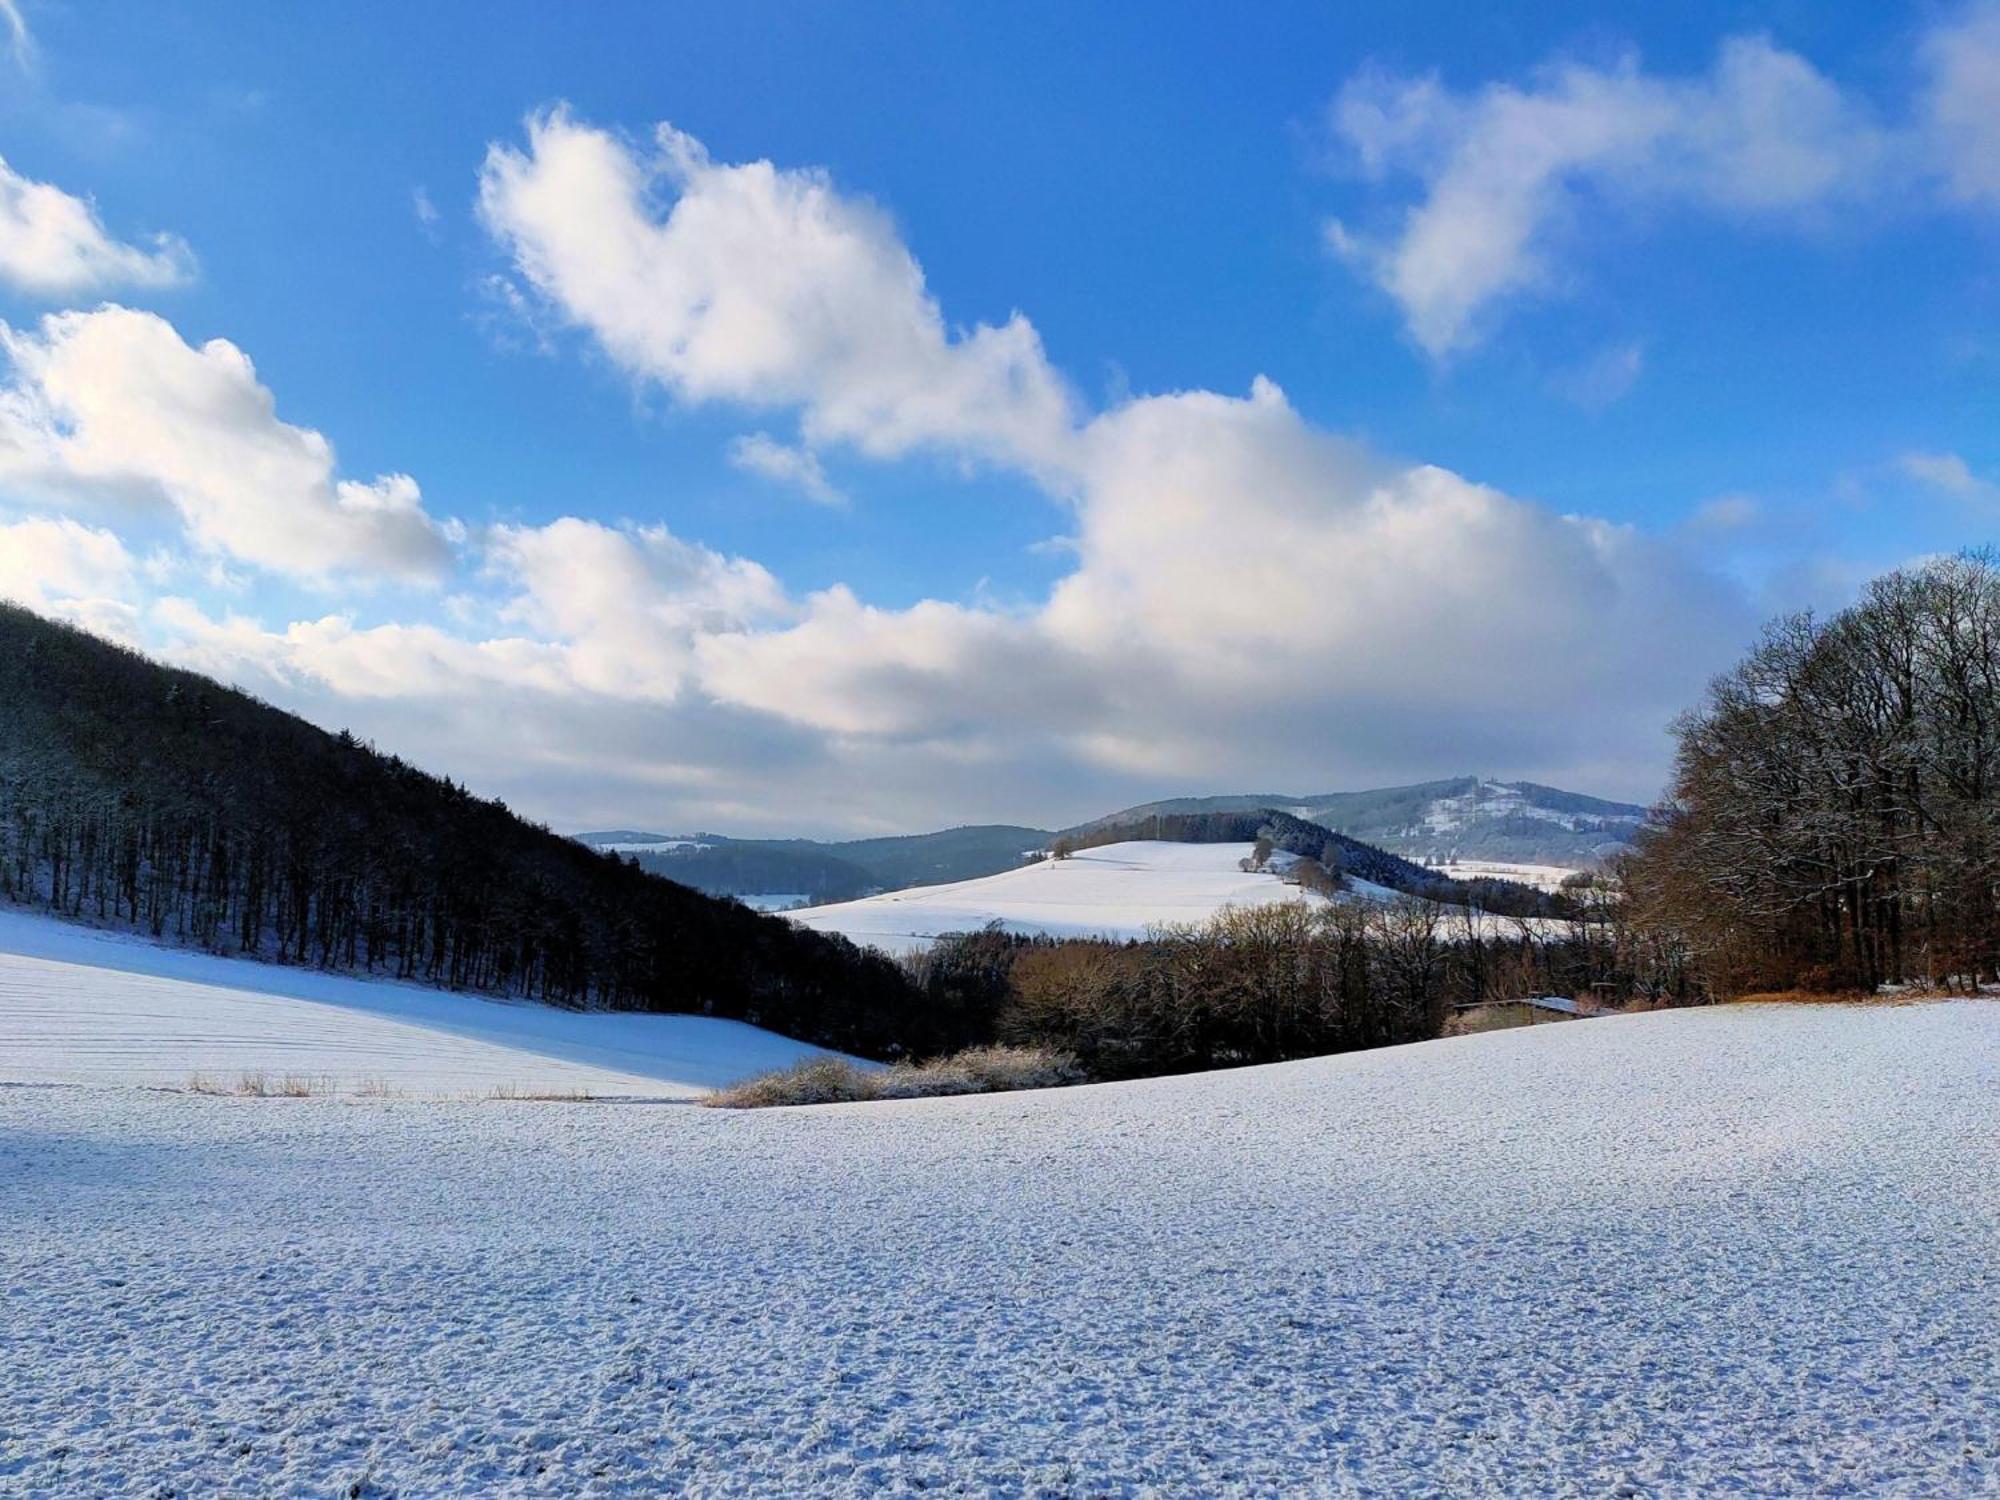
{"x":1834,"y":821}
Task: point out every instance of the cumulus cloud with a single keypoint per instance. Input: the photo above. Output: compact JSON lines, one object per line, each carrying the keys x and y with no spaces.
{"x":766,"y":287}
{"x":595,"y":611}
{"x":53,"y":244}
{"x":760,"y":453}
{"x":1244,"y":579}
{"x":1503,"y":171}
{"x":334,"y":658}
{"x":75,"y":572}
{"x":1250,"y":597}
{"x":114,"y":403}
{"x":629,"y":603}
{"x":1248,"y":590}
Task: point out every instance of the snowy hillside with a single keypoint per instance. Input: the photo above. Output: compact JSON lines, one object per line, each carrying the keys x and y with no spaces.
{"x":84,"y":1007}
{"x":1743,"y":1251}
{"x":1115,"y":890}
{"x":1467,"y":817}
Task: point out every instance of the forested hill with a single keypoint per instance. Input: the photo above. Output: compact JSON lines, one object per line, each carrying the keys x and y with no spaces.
{"x":827,"y":871}
{"x":1466,"y":817}
{"x":141,"y":796}
{"x":1336,"y":854}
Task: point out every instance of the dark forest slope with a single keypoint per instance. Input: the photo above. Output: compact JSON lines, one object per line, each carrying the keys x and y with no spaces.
{"x":839,"y":871}
{"x":157,"y":799}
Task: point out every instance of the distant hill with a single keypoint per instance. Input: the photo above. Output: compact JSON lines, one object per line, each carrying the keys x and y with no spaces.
{"x":825,"y":871}
{"x":1293,"y":835}
{"x":137,"y":796}
{"x":1466,"y":817}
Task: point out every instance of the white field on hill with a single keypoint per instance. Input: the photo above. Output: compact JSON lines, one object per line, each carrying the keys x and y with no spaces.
{"x":1541,"y":877}
{"x":1744,"y":1250}
{"x":79,"y":1006}
{"x":1115,"y":891}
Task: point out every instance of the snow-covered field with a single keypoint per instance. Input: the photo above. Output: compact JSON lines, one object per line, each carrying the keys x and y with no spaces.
{"x":1743,"y":1251}
{"x":1541,"y":877}
{"x":1115,"y":891}
{"x":88,"y":1007}
{"x":1118,"y":891}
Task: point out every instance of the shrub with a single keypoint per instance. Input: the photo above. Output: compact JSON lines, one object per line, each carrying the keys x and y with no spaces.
{"x":835,"y":1080}
{"x":817,"y":1080}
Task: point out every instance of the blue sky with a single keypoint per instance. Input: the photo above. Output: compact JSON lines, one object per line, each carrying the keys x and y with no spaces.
{"x":1717,"y":286}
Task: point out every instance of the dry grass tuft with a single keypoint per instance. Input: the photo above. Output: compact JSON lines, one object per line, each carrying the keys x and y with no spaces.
{"x":261,"y":1085}
{"x":834,"y":1080}
{"x":515,"y":1091}
{"x":1910,"y":996}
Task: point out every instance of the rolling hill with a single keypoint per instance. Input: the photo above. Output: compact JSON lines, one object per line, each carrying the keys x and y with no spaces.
{"x":81,"y":1007}
{"x":825,"y":871}
{"x":1115,"y":890}
{"x":137,"y":796}
{"x":1466,"y":817}
{"x":1737,"y":1250}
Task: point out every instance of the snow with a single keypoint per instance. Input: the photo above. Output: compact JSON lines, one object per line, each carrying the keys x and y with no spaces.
{"x":653,"y":846}
{"x":1116,"y":890}
{"x":1745,"y":1250}
{"x":1493,"y":799}
{"x":79,"y":1006}
{"x":1541,"y":877}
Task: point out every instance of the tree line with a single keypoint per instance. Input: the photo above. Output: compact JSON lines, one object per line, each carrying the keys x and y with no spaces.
{"x":1266,"y":983}
{"x":1834,"y":820}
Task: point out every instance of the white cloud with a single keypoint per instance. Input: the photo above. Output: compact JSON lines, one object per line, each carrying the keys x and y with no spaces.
{"x":760,"y":453}
{"x":1248,"y":591}
{"x":1253,"y":599}
{"x":1504,"y":171}
{"x":333,"y":655}
{"x":1951,"y":474}
{"x":20,"y":42}
{"x":600,"y":612}
{"x":1961,"y":102}
{"x":113,"y":402}
{"x":629,"y":604}
{"x":75,"y":572}
{"x":1249,"y":588}
{"x":1604,"y":379}
{"x":1250,"y":599}
{"x":429,"y":220}
{"x":1728,"y":513}
{"x":53,"y":245}
{"x":765,"y":287}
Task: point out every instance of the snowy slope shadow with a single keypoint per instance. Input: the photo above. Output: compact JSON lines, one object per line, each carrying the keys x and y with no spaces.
{"x":88,"y":1007}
